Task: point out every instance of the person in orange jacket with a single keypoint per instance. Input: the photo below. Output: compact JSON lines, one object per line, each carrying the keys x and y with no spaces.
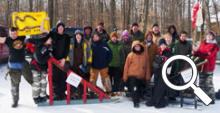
{"x":136,"y":71}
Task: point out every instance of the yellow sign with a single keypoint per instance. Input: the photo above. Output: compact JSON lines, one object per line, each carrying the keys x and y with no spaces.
{"x":28,"y":23}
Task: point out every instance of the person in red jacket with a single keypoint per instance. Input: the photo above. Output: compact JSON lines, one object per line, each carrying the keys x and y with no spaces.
{"x":208,"y":49}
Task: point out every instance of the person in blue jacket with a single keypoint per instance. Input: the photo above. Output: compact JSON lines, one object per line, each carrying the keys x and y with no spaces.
{"x":101,"y":57}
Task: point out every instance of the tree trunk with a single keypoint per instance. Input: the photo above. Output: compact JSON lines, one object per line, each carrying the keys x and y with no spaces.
{"x":51,"y":11}
{"x":208,"y":14}
{"x":216,"y":13}
{"x":146,"y":11}
{"x":189,"y":18}
{"x":30,"y":5}
{"x":155,"y":11}
{"x":113,"y":14}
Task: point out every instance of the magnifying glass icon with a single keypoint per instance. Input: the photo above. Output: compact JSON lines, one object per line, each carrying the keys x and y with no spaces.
{"x":197,"y":90}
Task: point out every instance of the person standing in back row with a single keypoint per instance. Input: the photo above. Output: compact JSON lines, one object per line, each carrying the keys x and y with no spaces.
{"x":60,"y":47}
{"x":136,"y":34}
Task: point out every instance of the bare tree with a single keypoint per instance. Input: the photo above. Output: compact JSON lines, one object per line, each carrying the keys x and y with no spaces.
{"x":146,"y":11}
{"x":51,"y":11}
{"x":30,"y":5}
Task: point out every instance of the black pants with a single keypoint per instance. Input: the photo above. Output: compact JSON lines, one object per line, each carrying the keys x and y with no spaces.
{"x":159,"y":90}
{"x":78,"y":92}
{"x":135,"y":87}
{"x":116,"y":78}
{"x":59,"y":82}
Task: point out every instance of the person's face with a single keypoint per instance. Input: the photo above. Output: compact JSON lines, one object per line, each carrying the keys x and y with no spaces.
{"x":135,"y":29}
{"x":149,"y":37}
{"x":168,"y":40}
{"x":114,"y":39}
{"x":137,"y":47}
{"x":125,"y":38}
{"x":13,"y":34}
{"x":209,"y":37}
{"x":99,"y":28}
{"x":183,"y":37}
{"x":172,"y":30}
{"x":88,"y":31}
{"x":60,"y":29}
{"x":78,"y":38}
{"x":96,"y":38}
{"x":163,"y":47}
{"x":156,"y":29}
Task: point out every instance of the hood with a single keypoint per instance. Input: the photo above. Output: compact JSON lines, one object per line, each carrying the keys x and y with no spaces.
{"x":136,"y":43}
{"x":59,"y":23}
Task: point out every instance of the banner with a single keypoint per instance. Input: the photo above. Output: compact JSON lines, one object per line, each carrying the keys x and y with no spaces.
{"x":28,"y":23}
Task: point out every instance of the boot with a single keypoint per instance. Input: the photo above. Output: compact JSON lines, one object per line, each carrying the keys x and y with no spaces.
{"x":43,"y":99}
{"x":14,"y":104}
{"x":136,"y":105}
{"x":36,"y":100}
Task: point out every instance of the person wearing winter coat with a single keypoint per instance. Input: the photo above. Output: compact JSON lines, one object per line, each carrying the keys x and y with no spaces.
{"x":208,"y":49}
{"x":60,"y":47}
{"x":87,"y":33}
{"x":181,"y":47}
{"x":152,"y":49}
{"x":39,"y":66}
{"x":80,"y":59}
{"x":102,"y":56}
{"x":156,"y":33}
{"x":115,"y":64}
{"x":136,"y":71}
{"x":136,"y":34}
{"x":158,"y":99}
{"x":102,"y":32}
{"x":126,"y":46}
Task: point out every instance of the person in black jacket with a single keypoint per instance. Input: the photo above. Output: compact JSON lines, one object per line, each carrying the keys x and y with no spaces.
{"x":60,"y":47}
{"x":102,"y":56}
{"x":160,"y":89}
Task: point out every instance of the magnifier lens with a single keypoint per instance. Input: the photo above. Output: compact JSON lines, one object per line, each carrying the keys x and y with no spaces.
{"x":180,"y":73}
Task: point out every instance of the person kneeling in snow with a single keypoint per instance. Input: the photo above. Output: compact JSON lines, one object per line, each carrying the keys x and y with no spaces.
{"x":136,"y":71}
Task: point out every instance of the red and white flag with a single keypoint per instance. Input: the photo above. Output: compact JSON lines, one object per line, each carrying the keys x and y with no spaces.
{"x":197,"y":19}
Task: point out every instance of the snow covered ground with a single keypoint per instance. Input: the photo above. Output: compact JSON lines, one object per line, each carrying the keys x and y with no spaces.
{"x":26,"y":104}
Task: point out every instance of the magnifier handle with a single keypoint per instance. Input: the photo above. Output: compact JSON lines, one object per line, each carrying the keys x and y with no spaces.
{"x":202,"y":95}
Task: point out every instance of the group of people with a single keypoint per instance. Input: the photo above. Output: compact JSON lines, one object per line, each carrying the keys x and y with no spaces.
{"x":131,"y":59}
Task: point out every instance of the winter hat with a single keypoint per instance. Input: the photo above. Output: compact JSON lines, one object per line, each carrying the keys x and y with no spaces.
{"x":125,"y":33}
{"x":155,"y":25}
{"x":87,"y":27}
{"x":95,"y":33}
{"x":211,"y":33}
{"x":60,"y":23}
{"x":114,"y":34}
{"x":134,"y":24}
{"x":101,"y":24}
{"x":78,"y":32}
{"x":162,"y":41}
